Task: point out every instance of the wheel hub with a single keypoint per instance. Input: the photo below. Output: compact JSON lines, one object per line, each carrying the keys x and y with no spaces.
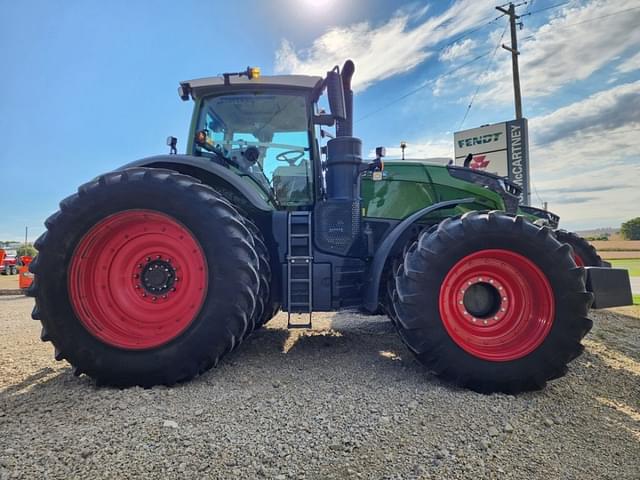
{"x":483,"y":300}
{"x":158,"y":276}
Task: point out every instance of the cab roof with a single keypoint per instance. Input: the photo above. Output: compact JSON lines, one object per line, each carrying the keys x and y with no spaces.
{"x":201,"y":87}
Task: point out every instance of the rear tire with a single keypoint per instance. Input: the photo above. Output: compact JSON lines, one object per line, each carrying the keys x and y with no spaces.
{"x":266,"y":307}
{"x":126,"y":336}
{"x":584,"y":254}
{"x":529,"y":311}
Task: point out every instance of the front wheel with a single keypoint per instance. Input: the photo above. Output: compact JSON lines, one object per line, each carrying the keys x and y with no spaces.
{"x":584,"y":254}
{"x":492,"y":302}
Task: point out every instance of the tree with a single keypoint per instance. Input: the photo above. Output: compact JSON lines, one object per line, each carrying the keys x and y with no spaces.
{"x":27,"y":249}
{"x":631,"y":229}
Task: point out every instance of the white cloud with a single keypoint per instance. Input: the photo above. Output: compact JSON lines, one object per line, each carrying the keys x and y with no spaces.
{"x":630,"y":65}
{"x":437,"y":149}
{"x":584,"y":158}
{"x":588,"y":196}
{"x":459,"y":50}
{"x":605,"y":110}
{"x":382,"y":51}
{"x":570,"y":47}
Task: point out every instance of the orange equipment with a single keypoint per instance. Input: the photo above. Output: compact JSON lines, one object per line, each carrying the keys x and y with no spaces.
{"x":25,"y":277}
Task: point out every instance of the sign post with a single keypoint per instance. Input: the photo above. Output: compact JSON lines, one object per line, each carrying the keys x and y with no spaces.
{"x":501,"y":149}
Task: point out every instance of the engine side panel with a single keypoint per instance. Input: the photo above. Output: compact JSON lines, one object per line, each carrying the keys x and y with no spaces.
{"x":407,"y":187}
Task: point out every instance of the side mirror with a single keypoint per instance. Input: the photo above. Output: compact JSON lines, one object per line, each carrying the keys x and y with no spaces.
{"x":335,"y":94}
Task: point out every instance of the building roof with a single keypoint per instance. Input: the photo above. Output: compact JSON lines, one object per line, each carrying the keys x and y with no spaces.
{"x":205,"y":86}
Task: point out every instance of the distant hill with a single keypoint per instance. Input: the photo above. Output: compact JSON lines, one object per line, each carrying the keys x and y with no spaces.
{"x":612,"y":233}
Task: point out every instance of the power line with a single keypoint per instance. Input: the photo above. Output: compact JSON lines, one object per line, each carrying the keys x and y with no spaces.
{"x":470,"y":32}
{"x":493,"y":56}
{"x":550,"y":7}
{"x":424,"y":85}
{"x":537,"y":194}
{"x":529,"y":5}
{"x":560,"y":27}
{"x":442,"y":48}
{"x":412,"y":92}
{"x":516,"y":5}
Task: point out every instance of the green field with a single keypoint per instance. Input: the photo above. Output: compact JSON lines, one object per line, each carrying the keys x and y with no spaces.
{"x":631,"y":264}
{"x":636,"y":299}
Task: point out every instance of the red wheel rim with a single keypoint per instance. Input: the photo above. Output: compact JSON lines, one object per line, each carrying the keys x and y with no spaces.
{"x":521,"y":316}
{"x":137,"y":279}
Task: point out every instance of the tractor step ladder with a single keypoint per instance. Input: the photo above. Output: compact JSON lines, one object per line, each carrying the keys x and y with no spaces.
{"x":299,"y":268}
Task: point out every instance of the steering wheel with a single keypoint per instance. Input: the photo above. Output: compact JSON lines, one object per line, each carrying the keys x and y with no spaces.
{"x":290,"y":156}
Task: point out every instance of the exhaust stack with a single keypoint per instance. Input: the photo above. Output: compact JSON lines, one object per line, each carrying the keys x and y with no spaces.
{"x":344,"y":128}
{"x":338,"y":218}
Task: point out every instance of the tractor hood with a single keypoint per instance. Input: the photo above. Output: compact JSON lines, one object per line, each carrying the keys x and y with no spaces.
{"x":408,"y":186}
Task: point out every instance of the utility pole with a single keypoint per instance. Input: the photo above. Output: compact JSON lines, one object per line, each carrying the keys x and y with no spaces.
{"x":511,"y":12}
{"x":26,"y":234}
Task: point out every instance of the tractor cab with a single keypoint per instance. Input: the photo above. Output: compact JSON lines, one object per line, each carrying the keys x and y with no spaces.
{"x":261,"y":128}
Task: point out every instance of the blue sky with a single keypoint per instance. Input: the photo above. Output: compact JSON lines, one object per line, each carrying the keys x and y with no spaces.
{"x":88,"y":86}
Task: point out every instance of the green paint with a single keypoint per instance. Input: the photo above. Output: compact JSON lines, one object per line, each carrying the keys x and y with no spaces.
{"x":407,"y":187}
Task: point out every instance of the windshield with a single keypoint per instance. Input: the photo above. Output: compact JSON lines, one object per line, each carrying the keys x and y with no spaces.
{"x":264,"y":135}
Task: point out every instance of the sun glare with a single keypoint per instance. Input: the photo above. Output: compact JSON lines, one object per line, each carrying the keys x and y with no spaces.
{"x":317,"y":4}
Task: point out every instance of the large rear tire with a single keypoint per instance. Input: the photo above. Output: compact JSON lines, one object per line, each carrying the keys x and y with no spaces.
{"x":492,"y":303}
{"x":267,"y":307}
{"x":144,"y":277}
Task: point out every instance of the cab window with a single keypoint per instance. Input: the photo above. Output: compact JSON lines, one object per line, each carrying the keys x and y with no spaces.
{"x":265,"y":136}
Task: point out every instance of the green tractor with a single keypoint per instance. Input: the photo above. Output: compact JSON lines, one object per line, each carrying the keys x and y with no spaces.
{"x":150,"y":274}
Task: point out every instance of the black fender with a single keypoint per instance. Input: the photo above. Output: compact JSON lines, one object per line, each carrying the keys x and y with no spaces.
{"x":203,"y":168}
{"x":376,"y":268}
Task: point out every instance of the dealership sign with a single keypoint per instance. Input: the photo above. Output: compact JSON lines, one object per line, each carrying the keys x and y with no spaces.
{"x":501,"y":148}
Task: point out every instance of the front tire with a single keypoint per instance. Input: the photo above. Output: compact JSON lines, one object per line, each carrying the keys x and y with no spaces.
{"x":584,"y":254}
{"x":492,"y":302}
{"x":144,"y":277}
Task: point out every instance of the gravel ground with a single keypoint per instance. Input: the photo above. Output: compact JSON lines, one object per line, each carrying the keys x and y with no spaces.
{"x":8,"y":282}
{"x":345,"y":400}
